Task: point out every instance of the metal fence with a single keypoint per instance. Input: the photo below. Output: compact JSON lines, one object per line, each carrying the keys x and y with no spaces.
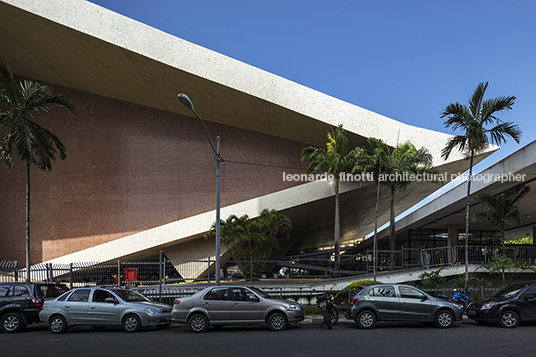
{"x":167,"y":271}
{"x":478,"y":254}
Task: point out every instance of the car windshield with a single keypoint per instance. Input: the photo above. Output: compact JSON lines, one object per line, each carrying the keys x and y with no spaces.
{"x":261,"y":293}
{"x":510,"y":291}
{"x":50,"y":291}
{"x":130,"y":296}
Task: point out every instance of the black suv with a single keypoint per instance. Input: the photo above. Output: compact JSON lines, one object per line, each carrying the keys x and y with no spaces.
{"x":508,"y":306}
{"x":20,"y":303}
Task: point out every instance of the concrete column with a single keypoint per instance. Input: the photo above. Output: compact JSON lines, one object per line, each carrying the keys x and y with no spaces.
{"x":533,"y":231}
{"x":452,"y":239}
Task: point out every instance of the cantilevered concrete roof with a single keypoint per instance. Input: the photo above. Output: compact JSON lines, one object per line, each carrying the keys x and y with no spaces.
{"x":80,"y":45}
{"x":449,"y":207}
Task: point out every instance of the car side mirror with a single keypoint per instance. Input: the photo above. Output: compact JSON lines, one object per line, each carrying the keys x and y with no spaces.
{"x":253,"y":298}
{"x":111,"y":300}
{"x":424,"y":298}
{"x":529,"y":296}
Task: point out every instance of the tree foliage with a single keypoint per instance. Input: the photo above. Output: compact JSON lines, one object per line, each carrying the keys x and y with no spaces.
{"x":334,"y":160}
{"x":473,"y":121}
{"x":253,"y":239}
{"x":23,"y":137}
{"x":506,"y":267}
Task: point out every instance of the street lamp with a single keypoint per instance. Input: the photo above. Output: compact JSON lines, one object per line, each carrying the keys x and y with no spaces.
{"x":188,"y":104}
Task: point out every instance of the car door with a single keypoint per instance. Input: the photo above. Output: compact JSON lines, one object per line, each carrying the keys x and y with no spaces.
{"x":245,"y":306}
{"x":6,"y":295}
{"x":76,"y":307}
{"x":385,"y":301}
{"x":527,"y":302}
{"x":102,"y":311}
{"x":217,"y":303}
{"x":414,"y":305}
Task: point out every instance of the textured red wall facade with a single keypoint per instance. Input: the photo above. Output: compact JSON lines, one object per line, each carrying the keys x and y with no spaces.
{"x":130,"y":168}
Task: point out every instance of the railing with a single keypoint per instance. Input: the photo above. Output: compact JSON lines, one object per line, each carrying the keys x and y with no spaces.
{"x":164,"y":271}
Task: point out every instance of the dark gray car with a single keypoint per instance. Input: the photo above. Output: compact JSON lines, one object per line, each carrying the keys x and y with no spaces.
{"x":404,"y":303}
{"x":100,"y":307}
{"x":231,"y":305}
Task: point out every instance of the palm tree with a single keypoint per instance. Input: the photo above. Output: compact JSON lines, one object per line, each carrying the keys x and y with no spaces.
{"x":334,"y":160}
{"x":501,"y":210}
{"x":254,"y":239}
{"x":30,"y":141}
{"x":471,"y":120}
{"x":397,"y":168}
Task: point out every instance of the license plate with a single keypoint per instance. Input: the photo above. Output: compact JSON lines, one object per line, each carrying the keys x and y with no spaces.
{"x":322,"y":304}
{"x":471,"y":312}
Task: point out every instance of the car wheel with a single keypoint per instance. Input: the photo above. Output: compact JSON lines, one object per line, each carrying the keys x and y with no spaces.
{"x":198,"y":323}
{"x":444,"y":319}
{"x":509,"y":319}
{"x":12,"y":322}
{"x":57,"y":324}
{"x":131,"y":323}
{"x":277,"y":321}
{"x":163,"y":326}
{"x":366,"y":319}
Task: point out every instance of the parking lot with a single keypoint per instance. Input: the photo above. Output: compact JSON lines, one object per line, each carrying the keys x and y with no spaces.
{"x":306,"y":339}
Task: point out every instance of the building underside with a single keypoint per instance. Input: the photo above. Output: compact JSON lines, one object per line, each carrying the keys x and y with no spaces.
{"x":140,"y":175}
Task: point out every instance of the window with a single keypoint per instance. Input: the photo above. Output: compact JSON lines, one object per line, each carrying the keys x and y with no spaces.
{"x":5,"y":291}
{"x":80,"y":295}
{"x":217,"y":294}
{"x":410,"y":293}
{"x":21,"y":291}
{"x":386,"y":291}
{"x":101,"y":295}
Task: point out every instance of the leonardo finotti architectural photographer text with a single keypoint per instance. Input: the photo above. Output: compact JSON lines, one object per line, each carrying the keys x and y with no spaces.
{"x":369,"y":177}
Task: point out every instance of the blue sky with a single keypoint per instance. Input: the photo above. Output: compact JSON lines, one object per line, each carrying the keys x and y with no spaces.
{"x":403,"y":59}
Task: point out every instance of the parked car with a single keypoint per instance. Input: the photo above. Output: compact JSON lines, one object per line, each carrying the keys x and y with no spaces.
{"x":231,"y":305}
{"x":508,"y":306}
{"x":101,"y":307}
{"x":20,"y":303}
{"x":401,"y":303}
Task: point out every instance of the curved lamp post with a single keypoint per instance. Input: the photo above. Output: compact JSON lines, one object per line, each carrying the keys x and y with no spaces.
{"x":188,"y":104}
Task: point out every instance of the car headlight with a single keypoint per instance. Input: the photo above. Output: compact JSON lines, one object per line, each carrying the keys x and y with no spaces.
{"x":488,"y":306}
{"x":293,"y":307}
{"x":459,"y":306}
{"x":152,"y":311}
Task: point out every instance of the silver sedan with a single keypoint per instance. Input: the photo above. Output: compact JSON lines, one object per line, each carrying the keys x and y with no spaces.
{"x":100,"y":307}
{"x":232,"y":305}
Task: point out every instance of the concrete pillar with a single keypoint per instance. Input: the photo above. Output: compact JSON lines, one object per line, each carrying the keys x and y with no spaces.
{"x":452,"y":239}
{"x":533,"y":231}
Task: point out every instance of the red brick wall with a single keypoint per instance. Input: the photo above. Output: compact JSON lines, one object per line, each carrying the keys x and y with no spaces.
{"x":130,"y":168}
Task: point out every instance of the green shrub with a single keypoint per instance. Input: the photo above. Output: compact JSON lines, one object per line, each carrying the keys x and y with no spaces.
{"x":343,"y":296}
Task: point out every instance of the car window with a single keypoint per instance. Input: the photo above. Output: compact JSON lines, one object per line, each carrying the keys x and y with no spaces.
{"x":80,"y":295}
{"x":21,"y":291}
{"x":410,"y":293}
{"x":51,"y":290}
{"x":217,"y":294}
{"x":510,"y":291}
{"x":531,"y":290}
{"x":130,"y":295}
{"x":101,"y":295}
{"x":5,"y":290}
{"x":386,"y":291}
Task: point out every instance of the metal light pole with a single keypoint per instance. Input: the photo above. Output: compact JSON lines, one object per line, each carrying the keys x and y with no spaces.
{"x":188,"y":104}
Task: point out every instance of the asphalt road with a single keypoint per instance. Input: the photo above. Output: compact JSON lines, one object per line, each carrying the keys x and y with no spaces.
{"x":397,"y":340}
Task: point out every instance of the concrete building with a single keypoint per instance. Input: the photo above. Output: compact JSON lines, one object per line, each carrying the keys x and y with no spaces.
{"x":140,"y":175}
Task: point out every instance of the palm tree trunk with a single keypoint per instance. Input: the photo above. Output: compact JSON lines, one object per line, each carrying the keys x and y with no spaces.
{"x":467,"y":203}
{"x":392,"y":230}
{"x":337,"y":238}
{"x":375,"y":246}
{"x":27,"y":220}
